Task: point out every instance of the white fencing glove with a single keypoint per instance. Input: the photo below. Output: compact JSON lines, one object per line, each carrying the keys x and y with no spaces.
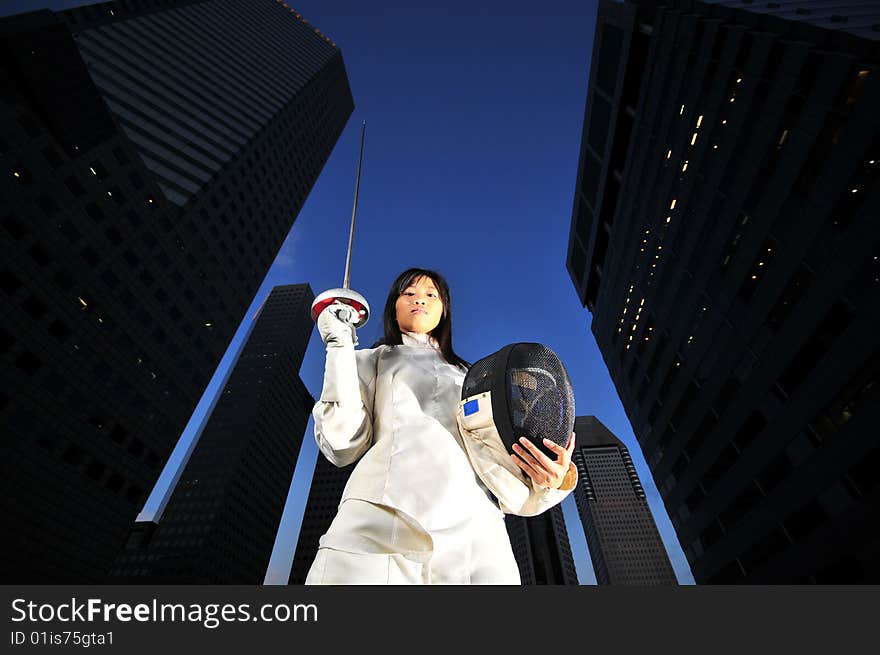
{"x":336,"y":325}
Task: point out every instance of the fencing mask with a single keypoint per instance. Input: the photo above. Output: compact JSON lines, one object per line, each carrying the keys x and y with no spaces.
{"x":523,"y":390}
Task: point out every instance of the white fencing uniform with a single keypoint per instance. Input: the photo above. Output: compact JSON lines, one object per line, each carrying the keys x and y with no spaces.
{"x":413,"y":510}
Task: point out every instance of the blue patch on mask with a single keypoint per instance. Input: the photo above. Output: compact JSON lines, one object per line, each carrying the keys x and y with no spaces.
{"x":471,"y":407}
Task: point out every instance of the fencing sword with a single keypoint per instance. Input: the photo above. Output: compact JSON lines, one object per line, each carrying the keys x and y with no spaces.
{"x":344,"y":294}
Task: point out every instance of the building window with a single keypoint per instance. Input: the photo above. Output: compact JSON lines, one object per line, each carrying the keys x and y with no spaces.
{"x":59,"y":330}
{"x":816,"y":347}
{"x":806,"y":519}
{"x":722,"y":464}
{"x":76,"y":189}
{"x":52,"y":156}
{"x":29,"y":363}
{"x":750,"y":429}
{"x":34,"y":308}
{"x":726,"y":395}
{"x":758,"y":269}
{"x":90,"y":256}
{"x":96,"y":213}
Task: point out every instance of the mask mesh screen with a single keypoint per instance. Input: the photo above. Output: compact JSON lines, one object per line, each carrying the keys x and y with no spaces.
{"x":537,"y":391}
{"x":541,"y":400}
{"x":479,"y":377}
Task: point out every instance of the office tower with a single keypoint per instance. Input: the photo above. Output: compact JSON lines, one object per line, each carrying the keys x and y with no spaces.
{"x":152,"y":167}
{"x":218,"y":524}
{"x":725,"y":239}
{"x":624,"y":544}
{"x":328,"y":483}
{"x":541,"y":548}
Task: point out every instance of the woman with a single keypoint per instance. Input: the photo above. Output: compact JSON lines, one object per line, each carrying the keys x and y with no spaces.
{"x":413,"y":510}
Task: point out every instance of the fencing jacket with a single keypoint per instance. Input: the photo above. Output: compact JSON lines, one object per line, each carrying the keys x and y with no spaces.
{"x":394,"y":408}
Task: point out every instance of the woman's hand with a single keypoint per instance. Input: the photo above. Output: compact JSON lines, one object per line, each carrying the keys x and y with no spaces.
{"x":544,"y":471}
{"x":336,"y":325}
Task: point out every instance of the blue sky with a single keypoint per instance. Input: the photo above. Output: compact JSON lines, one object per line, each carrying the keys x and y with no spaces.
{"x":474,"y":114}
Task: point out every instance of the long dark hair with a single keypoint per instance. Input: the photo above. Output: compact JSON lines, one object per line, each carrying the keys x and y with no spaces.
{"x":442,"y":333}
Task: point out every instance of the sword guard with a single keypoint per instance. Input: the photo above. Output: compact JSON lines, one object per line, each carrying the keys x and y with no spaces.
{"x":347,"y":296}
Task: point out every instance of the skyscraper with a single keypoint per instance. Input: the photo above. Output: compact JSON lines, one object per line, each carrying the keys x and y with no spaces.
{"x":328,"y":482}
{"x":219,"y":522}
{"x":622,"y":536}
{"x":155,"y":156}
{"x":724,"y":236}
{"x":541,"y":548}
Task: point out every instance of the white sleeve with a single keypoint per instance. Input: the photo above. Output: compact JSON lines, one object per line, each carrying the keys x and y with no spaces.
{"x":344,"y":414}
{"x":516,"y":492}
{"x":541,"y":499}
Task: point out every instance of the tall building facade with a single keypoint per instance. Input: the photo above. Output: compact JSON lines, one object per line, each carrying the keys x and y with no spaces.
{"x":219,"y":523}
{"x":624,"y":543}
{"x":152,"y":168}
{"x":541,"y":548}
{"x":724,"y":237}
{"x":328,"y":483}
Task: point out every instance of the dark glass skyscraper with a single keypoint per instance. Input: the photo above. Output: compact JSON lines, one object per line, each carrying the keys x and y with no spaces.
{"x":219,"y":523}
{"x":154,"y":158}
{"x":725,"y":238}
{"x":541,"y":548}
{"x":328,"y":483}
{"x":622,"y":535}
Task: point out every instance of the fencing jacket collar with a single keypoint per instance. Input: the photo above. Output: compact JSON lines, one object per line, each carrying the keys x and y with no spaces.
{"x":418,"y":339}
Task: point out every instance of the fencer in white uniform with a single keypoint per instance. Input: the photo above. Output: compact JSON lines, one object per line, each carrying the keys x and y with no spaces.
{"x":413,"y":510}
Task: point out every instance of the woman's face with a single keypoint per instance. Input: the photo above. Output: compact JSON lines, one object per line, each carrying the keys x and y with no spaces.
{"x":419,"y":308}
